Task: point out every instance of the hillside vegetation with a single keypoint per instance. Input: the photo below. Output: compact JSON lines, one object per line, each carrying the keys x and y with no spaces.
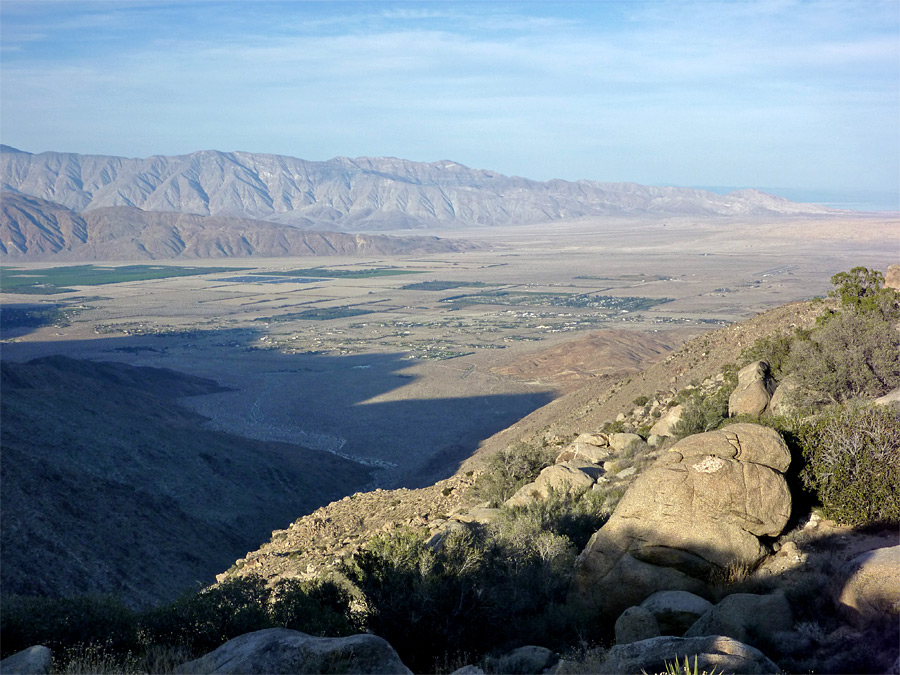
{"x":484,"y":562}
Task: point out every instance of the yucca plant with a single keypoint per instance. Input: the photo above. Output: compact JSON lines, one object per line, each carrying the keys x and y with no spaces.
{"x":677,"y":668}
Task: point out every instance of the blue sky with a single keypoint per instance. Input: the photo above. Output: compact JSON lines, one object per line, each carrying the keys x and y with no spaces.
{"x":791,"y":93}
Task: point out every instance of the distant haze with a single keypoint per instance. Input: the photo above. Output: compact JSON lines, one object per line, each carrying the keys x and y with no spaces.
{"x":803,"y":94}
{"x":854,"y":200}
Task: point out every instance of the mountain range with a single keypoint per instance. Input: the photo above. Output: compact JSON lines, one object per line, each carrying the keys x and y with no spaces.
{"x":33,"y":229}
{"x":210,"y":203}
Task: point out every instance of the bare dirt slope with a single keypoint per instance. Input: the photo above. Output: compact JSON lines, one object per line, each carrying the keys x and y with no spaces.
{"x":605,"y":353}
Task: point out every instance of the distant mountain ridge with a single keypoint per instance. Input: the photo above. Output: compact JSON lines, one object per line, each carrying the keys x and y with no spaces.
{"x":37,"y":229}
{"x":365,"y":193}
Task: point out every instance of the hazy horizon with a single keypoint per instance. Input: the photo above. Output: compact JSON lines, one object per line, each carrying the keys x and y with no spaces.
{"x":755,"y":92}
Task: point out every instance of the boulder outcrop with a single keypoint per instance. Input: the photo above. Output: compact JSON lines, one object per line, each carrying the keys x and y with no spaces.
{"x":892,"y":277}
{"x":719,"y":653}
{"x":527,"y":660}
{"x":784,"y":397}
{"x":588,"y":447}
{"x":35,"y":660}
{"x":574,"y":475}
{"x":867,"y":586}
{"x":635,"y":624}
{"x":702,"y":505}
{"x":745,"y":617}
{"x":753,"y":392}
{"x":676,"y":611}
{"x":666,"y":424}
{"x":279,"y":650}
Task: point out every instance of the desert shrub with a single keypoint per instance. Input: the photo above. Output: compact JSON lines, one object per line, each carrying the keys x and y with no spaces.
{"x":573,"y":515}
{"x":479,"y":590}
{"x":204,"y":620}
{"x":774,"y":349}
{"x":862,"y":290}
{"x":95,"y":659}
{"x":316,"y":607}
{"x":677,"y":667}
{"x":852,"y":462}
{"x":509,"y":469}
{"x":705,"y":413}
{"x":67,"y":623}
{"x":641,"y":400}
{"x":853,"y":354}
{"x":421,"y":601}
{"x":613,"y":427}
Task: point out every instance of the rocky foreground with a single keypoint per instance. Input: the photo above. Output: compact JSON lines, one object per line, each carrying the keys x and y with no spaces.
{"x":706,"y":541}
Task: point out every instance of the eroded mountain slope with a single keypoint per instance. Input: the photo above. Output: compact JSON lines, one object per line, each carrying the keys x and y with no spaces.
{"x":110,"y":486}
{"x":351,"y":194}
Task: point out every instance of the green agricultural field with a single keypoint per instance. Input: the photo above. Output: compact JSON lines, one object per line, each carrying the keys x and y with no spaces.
{"x":325,"y":273}
{"x":32,"y":317}
{"x":58,"y":279}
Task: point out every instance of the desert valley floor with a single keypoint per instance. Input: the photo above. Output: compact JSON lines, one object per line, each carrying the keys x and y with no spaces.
{"x":407,"y":363}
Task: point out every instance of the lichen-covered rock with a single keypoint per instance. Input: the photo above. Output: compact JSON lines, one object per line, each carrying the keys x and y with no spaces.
{"x":719,"y":653}
{"x":36,"y":660}
{"x":753,"y":391}
{"x":783,"y":401}
{"x":703,"y":504}
{"x":869,"y":585}
{"x":282,"y":651}
{"x":676,"y":611}
{"x":634,"y":624}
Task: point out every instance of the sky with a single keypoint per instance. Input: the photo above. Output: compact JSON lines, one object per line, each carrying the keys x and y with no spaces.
{"x":800,"y":94}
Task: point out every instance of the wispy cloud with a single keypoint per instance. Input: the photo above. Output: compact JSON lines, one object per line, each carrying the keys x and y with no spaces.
{"x":790,"y":92}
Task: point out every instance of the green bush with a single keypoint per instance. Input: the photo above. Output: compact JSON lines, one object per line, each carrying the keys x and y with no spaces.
{"x":775,"y":350}
{"x":487,"y":589}
{"x":705,"y":413}
{"x":573,"y":515}
{"x":508,"y":470}
{"x":65,"y":623}
{"x":315,"y":607}
{"x":862,"y":290}
{"x":852,"y":462}
{"x":853,"y":354}
{"x":202,"y":621}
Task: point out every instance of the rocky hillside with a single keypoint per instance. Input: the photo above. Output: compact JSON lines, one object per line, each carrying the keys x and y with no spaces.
{"x":351,"y":194}
{"x":696,"y":536}
{"x":317,"y":541}
{"x":110,"y":486}
{"x":708,"y":534}
{"x":36,"y":229}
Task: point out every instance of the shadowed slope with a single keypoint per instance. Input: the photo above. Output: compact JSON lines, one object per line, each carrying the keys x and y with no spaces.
{"x":110,"y":486}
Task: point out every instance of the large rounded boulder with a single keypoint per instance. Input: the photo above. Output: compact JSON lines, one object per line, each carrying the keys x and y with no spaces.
{"x":280,"y":650}
{"x":753,"y":392}
{"x":702,"y":506}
